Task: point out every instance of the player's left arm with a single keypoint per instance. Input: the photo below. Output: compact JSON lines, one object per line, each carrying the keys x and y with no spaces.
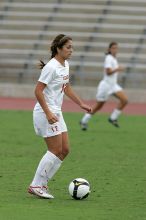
{"x":110,"y":71}
{"x":75,"y":98}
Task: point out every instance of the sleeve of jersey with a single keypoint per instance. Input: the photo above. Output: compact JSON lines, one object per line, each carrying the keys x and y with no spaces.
{"x":46,"y":74}
{"x":108,"y":62}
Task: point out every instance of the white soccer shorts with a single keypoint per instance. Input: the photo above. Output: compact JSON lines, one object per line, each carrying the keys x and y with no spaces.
{"x":104,"y":90}
{"x":44,"y":129}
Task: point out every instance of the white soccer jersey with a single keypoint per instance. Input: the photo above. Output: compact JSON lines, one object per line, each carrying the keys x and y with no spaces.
{"x":112,"y":63}
{"x":55,"y":76}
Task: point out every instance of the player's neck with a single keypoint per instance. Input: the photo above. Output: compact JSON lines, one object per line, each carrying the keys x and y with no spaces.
{"x":113,"y":54}
{"x":60,"y":60}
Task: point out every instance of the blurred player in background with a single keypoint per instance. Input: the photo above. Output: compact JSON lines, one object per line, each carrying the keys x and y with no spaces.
{"x":47,"y":115}
{"x":108,"y":86}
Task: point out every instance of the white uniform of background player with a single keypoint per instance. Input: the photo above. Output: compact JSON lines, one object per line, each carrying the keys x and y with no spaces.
{"x":108,"y":86}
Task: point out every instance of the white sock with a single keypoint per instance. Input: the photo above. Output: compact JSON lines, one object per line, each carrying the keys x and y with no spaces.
{"x":55,"y":168}
{"x":115,"y":114}
{"x":86,"y":118}
{"x":42,"y":172}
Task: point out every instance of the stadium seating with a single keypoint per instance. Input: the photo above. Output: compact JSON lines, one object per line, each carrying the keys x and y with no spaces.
{"x":29,"y":26}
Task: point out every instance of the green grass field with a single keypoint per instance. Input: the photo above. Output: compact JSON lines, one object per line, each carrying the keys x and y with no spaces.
{"x":112,"y":160}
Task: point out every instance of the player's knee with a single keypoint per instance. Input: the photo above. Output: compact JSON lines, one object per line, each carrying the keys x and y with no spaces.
{"x":126,"y":101}
{"x":65,"y":151}
{"x":56,"y":151}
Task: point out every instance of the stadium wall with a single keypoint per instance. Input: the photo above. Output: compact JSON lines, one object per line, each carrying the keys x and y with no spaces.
{"x":87,"y":93}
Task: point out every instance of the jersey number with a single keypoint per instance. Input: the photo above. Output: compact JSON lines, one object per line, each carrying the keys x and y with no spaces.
{"x":54,"y":129}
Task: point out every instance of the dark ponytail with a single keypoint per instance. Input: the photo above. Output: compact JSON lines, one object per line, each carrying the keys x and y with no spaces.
{"x":41,"y":64}
{"x":59,"y":41}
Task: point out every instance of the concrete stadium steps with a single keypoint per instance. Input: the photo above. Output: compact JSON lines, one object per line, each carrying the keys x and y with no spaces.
{"x":129,"y":10}
{"x":129,"y":3}
{"x":20,"y":35}
{"x":120,"y":19}
{"x":80,"y":9}
{"x":18,"y":76}
{"x":138,"y":82}
{"x":123,"y":47}
{"x":28,"y":27}
{"x":76,"y":17}
{"x":36,"y":26}
{"x":90,"y":26}
{"x":91,"y":2}
{"x":17,"y":44}
{"x":141,"y":59}
{"x":36,"y":1}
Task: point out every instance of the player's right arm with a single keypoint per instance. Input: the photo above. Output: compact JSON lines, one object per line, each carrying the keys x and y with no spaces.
{"x":109,"y":67}
{"x":41,"y":99}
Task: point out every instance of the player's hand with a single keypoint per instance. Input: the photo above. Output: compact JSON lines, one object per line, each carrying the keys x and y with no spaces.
{"x":86,"y":107}
{"x":121,"y":68}
{"x":92,"y":112}
{"x":52,"y":118}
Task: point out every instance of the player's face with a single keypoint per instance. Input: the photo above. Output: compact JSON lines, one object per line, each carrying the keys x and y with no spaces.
{"x":114,"y":50}
{"x":66,"y":51}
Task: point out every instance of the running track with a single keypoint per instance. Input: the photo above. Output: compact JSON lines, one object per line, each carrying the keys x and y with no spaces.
{"x":69,"y":106}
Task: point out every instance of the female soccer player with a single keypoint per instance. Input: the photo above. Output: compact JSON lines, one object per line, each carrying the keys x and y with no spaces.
{"x":47,"y":116}
{"x":108,"y":86}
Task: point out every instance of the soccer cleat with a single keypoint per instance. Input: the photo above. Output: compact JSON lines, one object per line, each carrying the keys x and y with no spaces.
{"x":40,"y":192}
{"x":84,"y":126}
{"x":114,"y":122}
{"x":45,"y":189}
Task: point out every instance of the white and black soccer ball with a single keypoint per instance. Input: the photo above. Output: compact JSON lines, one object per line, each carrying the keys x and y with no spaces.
{"x":79,"y":188}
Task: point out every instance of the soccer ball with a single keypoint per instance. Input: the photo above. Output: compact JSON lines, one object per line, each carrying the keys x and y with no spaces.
{"x":79,"y":188}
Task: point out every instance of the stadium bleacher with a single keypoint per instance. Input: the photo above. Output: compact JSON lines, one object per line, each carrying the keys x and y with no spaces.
{"x":28,"y":27}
